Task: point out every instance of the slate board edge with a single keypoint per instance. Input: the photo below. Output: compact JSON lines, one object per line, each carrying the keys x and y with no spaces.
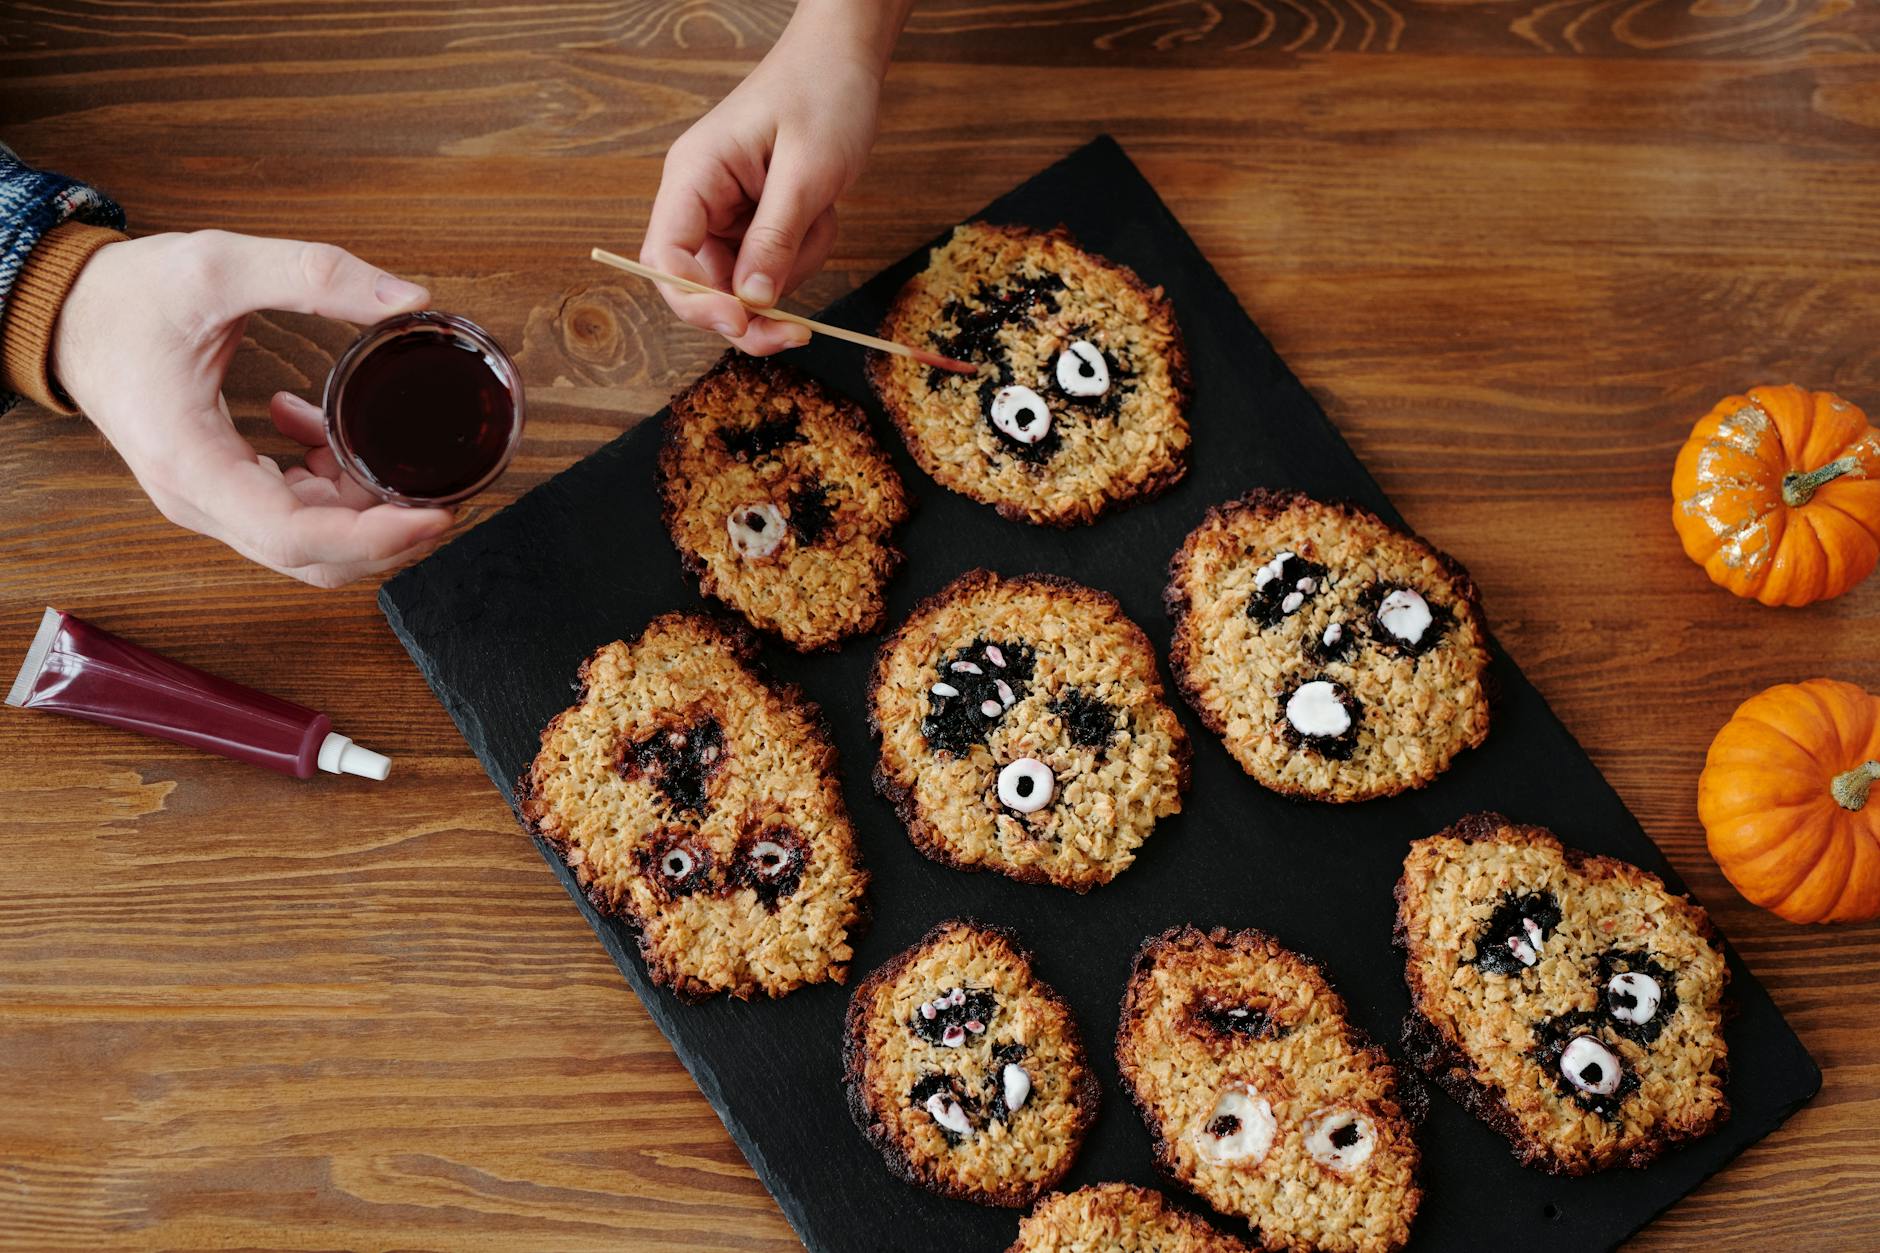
{"x":662,"y":1008}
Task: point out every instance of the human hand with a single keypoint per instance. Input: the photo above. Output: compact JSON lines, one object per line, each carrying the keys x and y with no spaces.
{"x":142,"y":345}
{"x":747,"y":197}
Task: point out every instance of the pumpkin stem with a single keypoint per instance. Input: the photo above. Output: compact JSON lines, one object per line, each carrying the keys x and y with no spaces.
{"x":1798,"y":485}
{"x":1850,"y":789}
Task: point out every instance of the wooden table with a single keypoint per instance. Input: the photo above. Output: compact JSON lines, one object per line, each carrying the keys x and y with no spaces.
{"x":1514,"y":247}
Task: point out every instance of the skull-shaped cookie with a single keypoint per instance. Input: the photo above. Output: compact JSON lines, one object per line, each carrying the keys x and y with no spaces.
{"x":1336,"y":656}
{"x":1117,"y":1218}
{"x":1078,"y":405}
{"x":1262,"y":1097}
{"x":966,"y":1070}
{"x":1569,"y":1001}
{"x":1023,"y":729}
{"x":699,"y":802}
{"x":780,"y":502}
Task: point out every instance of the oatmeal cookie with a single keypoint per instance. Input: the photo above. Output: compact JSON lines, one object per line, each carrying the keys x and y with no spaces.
{"x":1569,"y":1001}
{"x":1263,"y":1098}
{"x":1337,"y":657}
{"x":699,"y":802}
{"x":1023,"y":729}
{"x":1117,"y":1218}
{"x":966,"y":1071}
{"x":1080,"y":402}
{"x":780,"y":502}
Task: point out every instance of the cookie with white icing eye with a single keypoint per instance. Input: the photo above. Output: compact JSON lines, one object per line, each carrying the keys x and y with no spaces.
{"x":1117,"y":1218}
{"x":1570,"y":1001}
{"x":1024,"y":729}
{"x":1261,"y":1096}
{"x":1338,"y":657}
{"x":1080,"y":401}
{"x":698,"y":801}
{"x":780,"y":502}
{"x":965,"y":1070}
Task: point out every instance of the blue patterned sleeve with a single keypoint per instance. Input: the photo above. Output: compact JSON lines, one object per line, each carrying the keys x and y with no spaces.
{"x":32,"y":202}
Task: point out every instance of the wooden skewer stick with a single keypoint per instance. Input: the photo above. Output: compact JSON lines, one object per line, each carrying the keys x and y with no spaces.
{"x":921,"y":355}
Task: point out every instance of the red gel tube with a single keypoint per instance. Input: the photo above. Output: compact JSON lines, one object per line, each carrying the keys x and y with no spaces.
{"x":76,"y":668}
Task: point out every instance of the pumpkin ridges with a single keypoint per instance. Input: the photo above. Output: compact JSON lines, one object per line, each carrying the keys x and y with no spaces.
{"x":1823,"y":878}
{"x":1791,"y":415}
{"x":1833,"y":429}
{"x":1857,"y":902}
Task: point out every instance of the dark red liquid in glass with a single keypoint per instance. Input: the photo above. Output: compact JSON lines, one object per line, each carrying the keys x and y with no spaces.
{"x":426,"y":415}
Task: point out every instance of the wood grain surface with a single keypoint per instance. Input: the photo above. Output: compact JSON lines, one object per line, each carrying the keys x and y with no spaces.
{"x":1514,"y":246}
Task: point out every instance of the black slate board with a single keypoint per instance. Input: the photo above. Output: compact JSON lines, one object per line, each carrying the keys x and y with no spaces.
{"x":499,"y":621}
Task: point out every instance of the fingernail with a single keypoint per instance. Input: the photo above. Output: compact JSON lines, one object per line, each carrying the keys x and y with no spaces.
{"x":396,"y":292}
{"x":797,"y":336}
{"x":758,"y":290}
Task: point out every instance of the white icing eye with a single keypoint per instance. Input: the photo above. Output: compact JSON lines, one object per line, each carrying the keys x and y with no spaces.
{"x":1633,"y":997}
{"x":1340,"y":1140}
{"x":676,"y":864}
{"x":1314,"y":709}
{"x":1270,"y":571}
{"x":1082,"y":371}
{"x":1239,"y":1128}
{"x":944,"y":689}
{"x":1405,"y":614}
{"x":1021,"y":413}
{"x":995,"y":655}
{"x":957,"y":996}
{"x":755,"y":530}
{"x":770,"y":858}
{"x":947,"y":1112}
{"x":953,"y":1037}
{"x":990,"y":708}
{"x":1017,"y":1084}
{"x":1590,"y":1066}
{"x":1026,"y":785}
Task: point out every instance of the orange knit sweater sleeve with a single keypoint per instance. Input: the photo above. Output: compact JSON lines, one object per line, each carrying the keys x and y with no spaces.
{"x":33,"y":310}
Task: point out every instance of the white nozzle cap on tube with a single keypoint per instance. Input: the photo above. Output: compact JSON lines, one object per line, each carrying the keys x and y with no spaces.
{"x":339,"y":755}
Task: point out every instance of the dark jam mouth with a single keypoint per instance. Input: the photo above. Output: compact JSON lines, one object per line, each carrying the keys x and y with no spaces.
{"x":810,"y":513}
{"x":1226,"y":1017}
{"x":1032,"y":454}
{"x":1492,"y":954}
{"x":772,"y":876}
{"x":1318,"y":652}
{"x":1334,"y":747}
{"x":1088,"y":720}
{"x":1267,"y":604}
{"x":1551,"y":1037}
{"x":955,"y":723}
{"x":761,"y":439}
{"x":989,"y":309}
{"x":426,"y":415}
{"x":679,"y":761}
{"x":1371,"y":599}
{"x":978,"y":1005}
{"x":1620,"y":961}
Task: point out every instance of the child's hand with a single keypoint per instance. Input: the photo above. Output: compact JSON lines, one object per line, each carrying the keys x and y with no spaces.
{"x":747,"y":198}
{"x":142,"y":344}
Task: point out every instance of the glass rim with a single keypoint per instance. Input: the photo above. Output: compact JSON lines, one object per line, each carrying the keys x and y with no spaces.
{"x":380,"y":333}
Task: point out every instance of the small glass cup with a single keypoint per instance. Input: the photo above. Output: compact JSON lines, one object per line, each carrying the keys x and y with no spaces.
{"x":414,"y":419}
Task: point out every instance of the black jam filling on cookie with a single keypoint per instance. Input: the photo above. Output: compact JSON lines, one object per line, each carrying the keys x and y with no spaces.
{"x":753,"y":443}
{"x":1267,"y":605}
{"x":1032,"y":454}
{"x":676,"y":864}
{"x":1319,"y":653}
{"x":810,"y":513}
{"x":976,"y":1005}
{"x":956,"y":722}
{"x":1088,"y":720}
{"x":1371,"y":599}
{"x":1493,"y":951}
{"x":1002,"y":1056}
{"x":1224,"y":1016}
{"x":1551,"y":1037}
{"x":937,"y":1083}
{"x":770,"y":861}
{"x":1619,"y":961}
{"x":679,"y":761}
{"x":978,"y":320}
{"x":1333,"y":747}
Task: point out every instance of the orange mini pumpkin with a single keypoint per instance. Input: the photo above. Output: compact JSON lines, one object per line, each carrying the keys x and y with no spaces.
{"x":1790,"y":801}
{"x":1777,"y":495}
